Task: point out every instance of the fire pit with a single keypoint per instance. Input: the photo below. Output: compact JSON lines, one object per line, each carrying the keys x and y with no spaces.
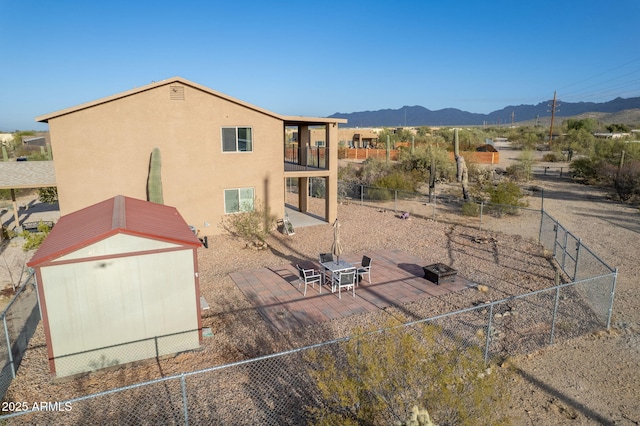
{"x":439,"y":273}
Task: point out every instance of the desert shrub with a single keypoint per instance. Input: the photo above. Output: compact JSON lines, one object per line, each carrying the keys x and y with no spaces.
{"x":551,"y":157}
{"x":505,"y":197}
{"x":398,"y":180}
{"x":33,"y":240}
{"x":626,"y":181}
{"x":471,"y":208}
{"x":373,"y":169}
{"x":252,"y":225}
{"x":378,"y":377}
{"x":378,"y":194}
{"x":517,"y":172}
{"x":48,"y":195}
{"x":586,"y":169}
{"x":420,"y":162}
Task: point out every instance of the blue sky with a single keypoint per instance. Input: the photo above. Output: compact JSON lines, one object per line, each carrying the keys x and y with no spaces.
{"x":319,"y":58}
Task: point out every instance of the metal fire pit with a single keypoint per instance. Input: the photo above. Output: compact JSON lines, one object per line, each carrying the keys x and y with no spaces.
{"x":439,"y":273}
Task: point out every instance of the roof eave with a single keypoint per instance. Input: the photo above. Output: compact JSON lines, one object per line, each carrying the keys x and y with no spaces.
{"x":46,"y":117}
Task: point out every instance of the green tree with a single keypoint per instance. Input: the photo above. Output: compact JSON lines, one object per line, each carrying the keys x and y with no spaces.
{"x":48,"y":195}
{"x":380,"y":376}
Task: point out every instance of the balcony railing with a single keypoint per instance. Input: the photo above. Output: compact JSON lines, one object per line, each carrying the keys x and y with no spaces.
{"x":306,"y":158}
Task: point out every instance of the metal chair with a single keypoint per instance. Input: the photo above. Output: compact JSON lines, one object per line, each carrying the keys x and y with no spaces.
{"x":347,"y":280}
{"x":364,"y":268}
{"x":325,"y":257}
{"x":309,"y":276}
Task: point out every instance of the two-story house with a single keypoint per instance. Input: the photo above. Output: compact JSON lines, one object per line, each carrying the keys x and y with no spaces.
{"x":218,"y":154}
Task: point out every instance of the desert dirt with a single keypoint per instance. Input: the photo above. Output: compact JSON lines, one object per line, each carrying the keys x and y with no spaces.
{"x":590,"y":380}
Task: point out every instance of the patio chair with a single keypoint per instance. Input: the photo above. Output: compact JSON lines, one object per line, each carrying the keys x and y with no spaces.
{"x":309,"y":276}
{"x":325,"y":257}
{"x":347,"y":280}
{"x":364,"y":268}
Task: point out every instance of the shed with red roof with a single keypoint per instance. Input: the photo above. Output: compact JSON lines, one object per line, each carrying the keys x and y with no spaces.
{"x":117,"y":283}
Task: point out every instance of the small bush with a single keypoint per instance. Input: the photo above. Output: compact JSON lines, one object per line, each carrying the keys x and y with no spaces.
{"x":33,"y":240}
{"x":626,"y":181}
{"x":471,"y":208}
{"x":378,"y":194}
{"x":517,"y":172}
{"x":251,"y":226}
{"x":585,"y":169}
{"x":505,"y":197}
{"x":551,"y":157}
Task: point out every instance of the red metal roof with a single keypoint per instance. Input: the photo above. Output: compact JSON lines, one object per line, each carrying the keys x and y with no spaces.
{"x":119,"y":214}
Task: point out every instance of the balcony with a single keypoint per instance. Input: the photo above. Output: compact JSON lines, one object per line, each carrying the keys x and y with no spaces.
{"x":305,"y":158}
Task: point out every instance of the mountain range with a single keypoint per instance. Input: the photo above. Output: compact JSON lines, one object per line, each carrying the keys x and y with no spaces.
{"x":421,"y":116}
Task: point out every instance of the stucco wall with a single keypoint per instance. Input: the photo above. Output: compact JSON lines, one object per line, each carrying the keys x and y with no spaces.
{"x":104,"y":151}
{"x":95,"y":308}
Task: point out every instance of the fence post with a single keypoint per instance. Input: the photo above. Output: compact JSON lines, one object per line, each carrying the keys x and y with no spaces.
{"x":613,"y":293}
{"x":561,"y":171}
{"x":361,"y":194}
{"x":555,"y":308}
{"x":434,"y":206}
{"x":183,"y":387}
{"x":481,"y":209}
{"x":9,"y":351}
{"x":486,"y":344}
{"x":575,"y":270}
{"x":395,"y":201}
{"x":564,"y":249}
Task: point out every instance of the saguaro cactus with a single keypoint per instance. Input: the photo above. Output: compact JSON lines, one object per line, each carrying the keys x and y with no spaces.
{"x":5,"y":156}
{"x":461,"y":166}
{"x":154,"y":182}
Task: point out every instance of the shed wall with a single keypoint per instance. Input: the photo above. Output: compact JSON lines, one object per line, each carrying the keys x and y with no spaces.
{"x":117,"y":244}
{"x":95,"y":308}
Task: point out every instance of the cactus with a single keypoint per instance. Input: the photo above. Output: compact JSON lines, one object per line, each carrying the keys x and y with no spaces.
{"x":456,"y":144}
{"x":154,"y":182}
{"x":49,"y":155}
{"x":5,"y":156}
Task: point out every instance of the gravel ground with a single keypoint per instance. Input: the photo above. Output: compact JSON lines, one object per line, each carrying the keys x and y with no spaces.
{"x":588,"y":380}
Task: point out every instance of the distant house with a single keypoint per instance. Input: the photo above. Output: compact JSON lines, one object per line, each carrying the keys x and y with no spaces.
{"x":359,"y":138}
{"x":219,"y":154}
{"x":117,"y":283}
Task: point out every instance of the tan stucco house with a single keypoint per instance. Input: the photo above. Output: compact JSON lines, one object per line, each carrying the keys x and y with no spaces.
{"x":219,"y":154}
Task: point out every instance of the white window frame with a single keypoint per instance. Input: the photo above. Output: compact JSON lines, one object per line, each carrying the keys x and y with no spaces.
{"x":241,"y":202}
{"x":237,"y":136}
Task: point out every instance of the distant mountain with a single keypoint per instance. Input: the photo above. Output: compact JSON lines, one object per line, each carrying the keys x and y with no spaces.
{"x":421,"y":116}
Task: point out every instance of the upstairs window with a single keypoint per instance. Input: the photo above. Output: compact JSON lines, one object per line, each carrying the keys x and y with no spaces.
{"x":237,"y":139}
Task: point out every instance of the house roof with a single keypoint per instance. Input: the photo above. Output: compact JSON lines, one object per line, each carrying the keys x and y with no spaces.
{"x":116,"y":215}
{"x":46,"y":117}
{"x":26,"y":174}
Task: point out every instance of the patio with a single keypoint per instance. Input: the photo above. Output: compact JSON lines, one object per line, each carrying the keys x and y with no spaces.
{"x":396,"y":278}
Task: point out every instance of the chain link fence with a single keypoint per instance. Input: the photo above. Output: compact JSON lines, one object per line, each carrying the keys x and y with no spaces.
{"x":19,"y":321}
{"x":278,"y":389}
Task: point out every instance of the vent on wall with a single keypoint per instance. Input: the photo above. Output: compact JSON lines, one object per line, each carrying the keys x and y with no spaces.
{"x":176,"y":93}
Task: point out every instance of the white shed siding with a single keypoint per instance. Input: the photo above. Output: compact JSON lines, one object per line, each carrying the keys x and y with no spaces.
{"x":117,"y":244}
{"x":93,"y":305}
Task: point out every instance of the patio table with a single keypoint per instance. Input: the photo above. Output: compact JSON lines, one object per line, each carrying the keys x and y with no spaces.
{"x":336,"y":267}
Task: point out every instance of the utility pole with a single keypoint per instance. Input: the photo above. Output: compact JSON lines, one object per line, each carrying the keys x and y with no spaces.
{"x":513,"y":118}
{"x":553,"y":113}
